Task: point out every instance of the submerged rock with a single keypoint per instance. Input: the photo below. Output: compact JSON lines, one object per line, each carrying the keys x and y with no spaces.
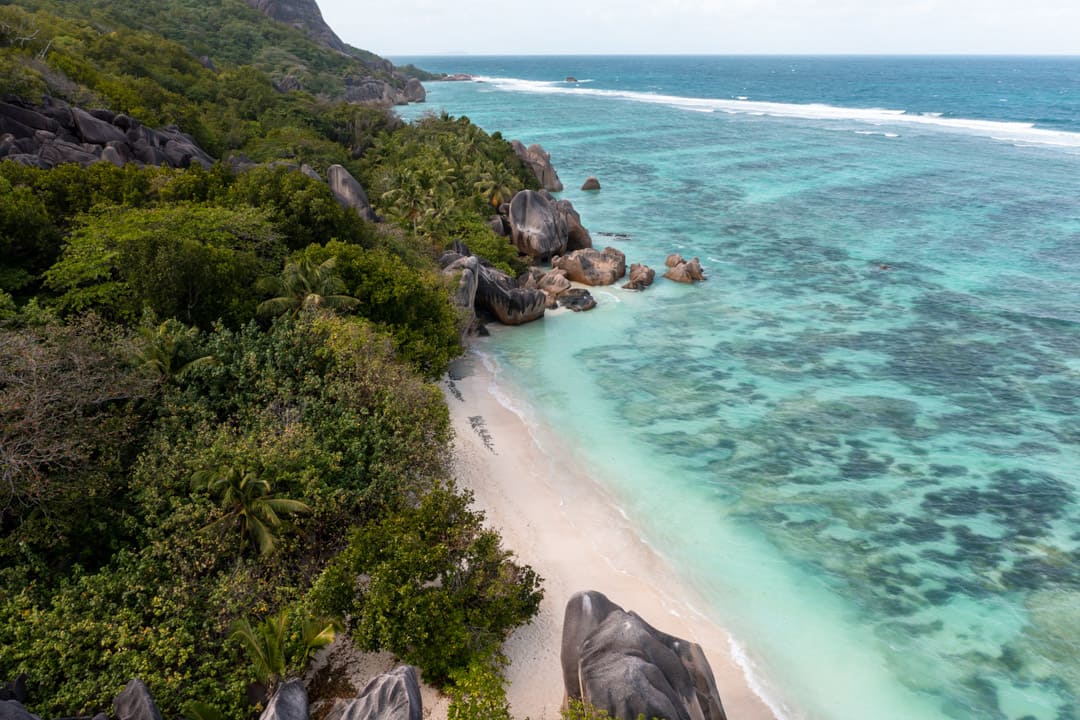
{"x":577,"y":299}
{"x":619,"y":664}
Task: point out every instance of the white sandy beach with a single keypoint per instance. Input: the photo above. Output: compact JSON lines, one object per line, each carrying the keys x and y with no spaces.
{"x":553,"y":517}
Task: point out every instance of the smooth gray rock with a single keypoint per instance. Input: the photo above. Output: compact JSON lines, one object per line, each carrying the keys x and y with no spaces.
{"x":14,"y":710}
{"x":57,"y":152}
{"x":112,"y":155}
{"x":467,"y":272}
{"x":95,"y":130}
{"x":536,"y":227}
{"x":592,"y":267}
{"x":414,"y":91}
{"x":539,"y":162}
{"x":14,"y":689}
{"x":497,"y":293}
{"x":25,"y":117}
{"x":349,"y":192}
{"x":641,"y":277}
{"x":310,"y":172}
{"x":290,"y":702}
{"x":618,"y":663}
{"x":391,"y":696}
{"x":135,"y":703}
{"x":591,"y":183}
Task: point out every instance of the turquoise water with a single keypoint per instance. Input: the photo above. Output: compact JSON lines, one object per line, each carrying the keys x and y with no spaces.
{"x":860,"y":438}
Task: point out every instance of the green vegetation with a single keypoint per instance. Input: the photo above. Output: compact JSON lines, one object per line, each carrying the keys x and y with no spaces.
{"x":216,"y":409}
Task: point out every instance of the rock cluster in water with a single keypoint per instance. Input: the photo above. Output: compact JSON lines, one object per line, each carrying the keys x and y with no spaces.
{"x":615,"y":662}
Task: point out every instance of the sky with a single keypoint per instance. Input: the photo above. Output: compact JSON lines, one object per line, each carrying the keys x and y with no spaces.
{"x":397,"y":28}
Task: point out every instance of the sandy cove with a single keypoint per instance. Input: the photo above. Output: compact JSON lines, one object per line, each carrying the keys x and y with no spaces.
{"x":554,"y":518}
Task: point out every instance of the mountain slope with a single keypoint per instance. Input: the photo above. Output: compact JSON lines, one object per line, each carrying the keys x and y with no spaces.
{"x":289,"y":41}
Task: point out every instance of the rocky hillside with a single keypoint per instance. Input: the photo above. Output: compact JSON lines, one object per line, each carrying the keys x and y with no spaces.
{"x":304,"y":15}
{"x":286,"y":39}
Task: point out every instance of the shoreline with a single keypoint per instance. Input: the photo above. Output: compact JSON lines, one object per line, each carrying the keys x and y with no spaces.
{"x":554,"y":517}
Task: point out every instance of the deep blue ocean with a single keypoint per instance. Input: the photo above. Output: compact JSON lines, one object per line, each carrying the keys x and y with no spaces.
{"x":860,"y":438}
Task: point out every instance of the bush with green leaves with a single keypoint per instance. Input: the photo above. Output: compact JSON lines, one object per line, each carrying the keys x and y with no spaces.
{"x":478,"y":692}
{"x":436,"y":588}
{"x":196,"y":263}
{"x":412,"y":303}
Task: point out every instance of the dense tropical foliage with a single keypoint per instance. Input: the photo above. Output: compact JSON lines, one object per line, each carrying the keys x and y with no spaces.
{"x":216,"y":409}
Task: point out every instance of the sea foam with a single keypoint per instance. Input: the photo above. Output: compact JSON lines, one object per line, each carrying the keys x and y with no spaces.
{"x":997,"y":130}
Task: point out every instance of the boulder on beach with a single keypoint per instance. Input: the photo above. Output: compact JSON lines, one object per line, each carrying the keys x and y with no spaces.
{"x":394,"y":695}
{"x":591,"y":183}
{"x":499,"y":294}
{"x":537,"y":228}
{"x":135,"y":703}
{"x":467,"y":272}
{"x":290,"y":702}
{"x":591,"y":267}
{"x":619,"y":664}
{"x":641,"y":277}
{"x":540,"y":163}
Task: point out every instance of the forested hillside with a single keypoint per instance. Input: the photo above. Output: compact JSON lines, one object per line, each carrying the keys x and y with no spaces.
{"x":216,"y":408}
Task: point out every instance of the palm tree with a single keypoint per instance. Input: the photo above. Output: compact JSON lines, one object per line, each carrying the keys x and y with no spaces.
{"x":248,"y":503}
{"x":305,"y":286}
{"x":496,"y":184}
{"x":164,"y":351}
{"x":266,"y":644}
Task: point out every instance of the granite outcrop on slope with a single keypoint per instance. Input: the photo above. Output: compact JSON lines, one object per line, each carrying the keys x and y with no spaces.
{"x":384,"y":85}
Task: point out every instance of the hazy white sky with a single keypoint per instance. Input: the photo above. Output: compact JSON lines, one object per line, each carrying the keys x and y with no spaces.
{"x":435,"y":27}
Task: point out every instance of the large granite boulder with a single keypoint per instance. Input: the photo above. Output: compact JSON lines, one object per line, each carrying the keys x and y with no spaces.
{"x":14,"y":689}
{"x":93,"y":130}
{"x":499,"y":294}
{"x":618,"y":663}
{"x":684,"y":271}
{"x":577,"y":237}
{"x":592,"y":267}
{"x":135,"y":703}
{"x":14,"y":710}
{"x":290,"y":702}
{"x":590,"y":184}
{"x":414,"y":91}
{"x":536,"y":227}
{"x":349,"y":192}
{"x":391,"y":696}
{"x":467,"y":272}
{"x":641,"y":277}
{"x":540,"y":163}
